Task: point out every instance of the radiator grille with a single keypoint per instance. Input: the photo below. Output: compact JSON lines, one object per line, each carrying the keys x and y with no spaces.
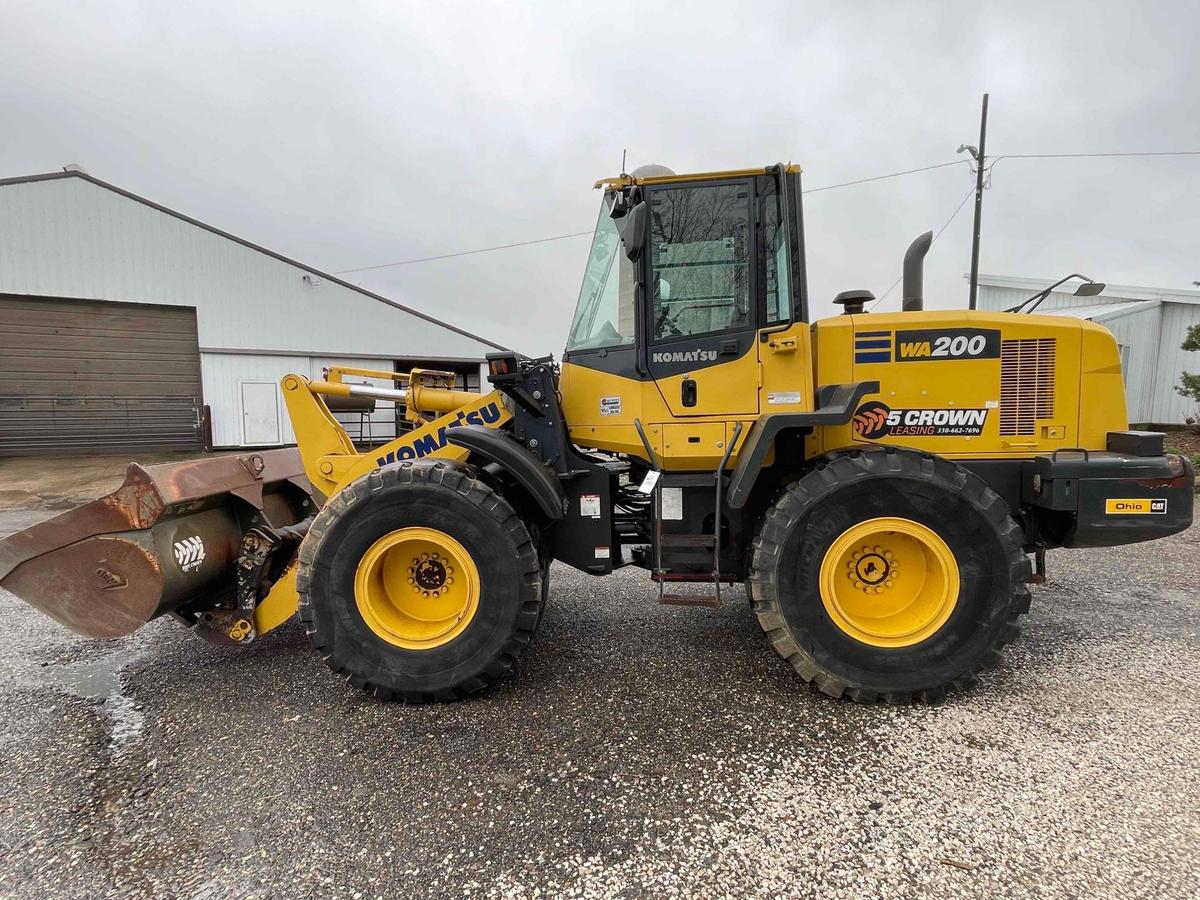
{"x":1026,"y":384}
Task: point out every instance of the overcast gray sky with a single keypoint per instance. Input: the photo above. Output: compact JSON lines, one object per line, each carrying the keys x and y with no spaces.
{"x":352,"y":134}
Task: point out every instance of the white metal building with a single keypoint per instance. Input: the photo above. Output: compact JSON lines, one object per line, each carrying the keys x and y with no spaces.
{"x":1148,"y":323}
{"x":122,"y":321}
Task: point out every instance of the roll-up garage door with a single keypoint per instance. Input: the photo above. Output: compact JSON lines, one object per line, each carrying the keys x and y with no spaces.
{"x":86,"y":376}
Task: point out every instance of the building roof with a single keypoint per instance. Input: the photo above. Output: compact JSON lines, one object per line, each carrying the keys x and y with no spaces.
{"x":1123,"y":291}
{"x":1100,"y":312}
{"x":73,"y":173}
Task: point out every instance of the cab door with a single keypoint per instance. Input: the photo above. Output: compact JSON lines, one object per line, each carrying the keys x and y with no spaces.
{"x":700,"y":285}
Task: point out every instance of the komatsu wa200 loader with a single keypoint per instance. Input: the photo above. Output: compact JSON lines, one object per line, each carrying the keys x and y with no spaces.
{"x":879,"y":482}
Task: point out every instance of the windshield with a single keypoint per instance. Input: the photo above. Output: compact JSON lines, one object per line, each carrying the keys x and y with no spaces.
{"x":604,"y":313}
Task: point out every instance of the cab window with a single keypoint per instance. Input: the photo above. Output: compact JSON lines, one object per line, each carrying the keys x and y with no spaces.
{"x":776,"y":279}
{"x":604,"y":312}
{"x":699,"y":260}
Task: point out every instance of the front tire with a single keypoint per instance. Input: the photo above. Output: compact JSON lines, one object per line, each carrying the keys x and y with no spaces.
{"x":419,"y":582}
{"x":887,"y":574}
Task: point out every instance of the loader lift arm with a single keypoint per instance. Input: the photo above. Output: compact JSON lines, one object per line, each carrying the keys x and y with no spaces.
{"x":517,"y":428}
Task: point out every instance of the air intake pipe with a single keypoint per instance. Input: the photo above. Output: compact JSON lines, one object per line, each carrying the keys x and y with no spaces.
{"x":914,"y":272}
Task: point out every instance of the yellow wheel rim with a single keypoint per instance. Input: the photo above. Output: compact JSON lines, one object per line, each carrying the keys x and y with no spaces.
{"x":889,"y":582}
{"x":417,"y":588}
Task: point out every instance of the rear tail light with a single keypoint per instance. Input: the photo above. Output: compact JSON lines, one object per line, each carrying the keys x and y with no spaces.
{"x":1182,"y":475}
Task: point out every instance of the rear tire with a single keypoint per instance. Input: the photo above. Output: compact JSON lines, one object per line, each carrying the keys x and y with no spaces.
{"x":419,"y":640}
{"x":964,"y":564}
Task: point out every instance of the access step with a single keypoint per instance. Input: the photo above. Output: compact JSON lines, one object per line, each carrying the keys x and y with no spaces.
{"x":712,"y":601}
{"x":689,"y":540}
{"x":690,"y":577}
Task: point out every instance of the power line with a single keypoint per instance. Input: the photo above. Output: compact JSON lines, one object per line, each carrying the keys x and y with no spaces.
{"x":946,"y":225}
{"x":830,"y":187}
{"x":560,"y":237}
{"x":1001,"y":156}
{"x":409,"y":262}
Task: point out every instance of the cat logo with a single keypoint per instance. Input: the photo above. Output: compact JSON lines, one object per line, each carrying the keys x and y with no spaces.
{"x":1126,"y":506}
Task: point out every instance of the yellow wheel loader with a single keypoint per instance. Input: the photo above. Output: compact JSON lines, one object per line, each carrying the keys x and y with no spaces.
{"x":878,"y":482}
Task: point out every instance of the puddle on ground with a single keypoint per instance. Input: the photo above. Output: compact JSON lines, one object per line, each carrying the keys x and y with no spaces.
{"x":101,"y":679}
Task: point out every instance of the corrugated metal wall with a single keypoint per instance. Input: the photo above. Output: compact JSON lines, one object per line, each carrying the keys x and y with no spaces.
{"x":79,"y":376}
{"x":257,"y":317}
{"x":72,"y":238}
{"x":226,"y":373}
{"x":1153,"y":335}
{"x":1138,"y":330}
{"x":1169,"y":406}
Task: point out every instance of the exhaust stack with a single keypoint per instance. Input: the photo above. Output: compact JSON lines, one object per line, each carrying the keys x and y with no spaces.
{"x":914,"y":273}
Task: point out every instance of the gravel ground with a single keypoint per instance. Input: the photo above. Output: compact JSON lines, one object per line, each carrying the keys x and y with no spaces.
{"x":641,"y":751}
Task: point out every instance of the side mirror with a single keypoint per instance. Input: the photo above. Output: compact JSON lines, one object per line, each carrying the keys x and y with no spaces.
{"x":1090,"y":289}
{"x":632,"y":229}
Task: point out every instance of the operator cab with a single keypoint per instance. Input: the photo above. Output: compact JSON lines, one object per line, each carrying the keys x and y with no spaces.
{"x":685,"y":272}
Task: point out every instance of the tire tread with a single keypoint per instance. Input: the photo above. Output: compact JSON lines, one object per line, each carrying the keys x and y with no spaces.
{"x":835,"y":471}
{"x":491,"y":504}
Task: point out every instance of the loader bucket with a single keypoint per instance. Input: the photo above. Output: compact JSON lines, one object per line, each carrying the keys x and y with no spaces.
{"x":166,"y":539}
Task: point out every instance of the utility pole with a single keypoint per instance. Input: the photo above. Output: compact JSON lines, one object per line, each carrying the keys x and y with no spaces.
{"x":980,"y":155}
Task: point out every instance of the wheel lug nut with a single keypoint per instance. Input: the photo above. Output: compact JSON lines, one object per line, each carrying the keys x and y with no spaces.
{"x":888,"y":583}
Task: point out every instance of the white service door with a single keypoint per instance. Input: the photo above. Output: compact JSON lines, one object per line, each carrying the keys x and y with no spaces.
{"x":260,"y":413}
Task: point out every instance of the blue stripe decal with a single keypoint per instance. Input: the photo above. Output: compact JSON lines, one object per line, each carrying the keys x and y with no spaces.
{"x":872,"y":357}
{"x":872,"y":345}
{"x":873,"y":334}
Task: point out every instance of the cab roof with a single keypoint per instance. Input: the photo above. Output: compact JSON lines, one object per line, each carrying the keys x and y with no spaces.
{"x":620,"y":181}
